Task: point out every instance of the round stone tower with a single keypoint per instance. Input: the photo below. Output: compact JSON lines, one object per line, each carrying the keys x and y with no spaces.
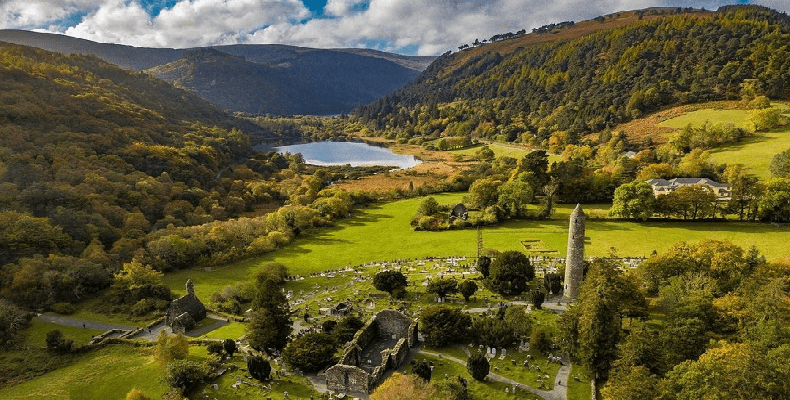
{"x":574,"y":259}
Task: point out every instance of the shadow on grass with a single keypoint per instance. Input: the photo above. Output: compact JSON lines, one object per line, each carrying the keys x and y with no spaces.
{"x":717,"y":226}
{"x":365,"y":219}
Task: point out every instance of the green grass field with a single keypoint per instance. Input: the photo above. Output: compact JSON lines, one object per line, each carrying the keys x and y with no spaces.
{"x":503,"y":149}
{"x":36,"y":333}
{"x":578,"y":389}
{"x":754,"y":153}
{"x":104,"y":374}
{"x":382,"y":233}
{"x":700,"y":117}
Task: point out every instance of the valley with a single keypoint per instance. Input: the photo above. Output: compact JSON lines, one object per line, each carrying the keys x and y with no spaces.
{"x":136,"y":195}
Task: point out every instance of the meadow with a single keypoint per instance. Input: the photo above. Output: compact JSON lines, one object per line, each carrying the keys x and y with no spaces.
{"x":382,"y":233}
{"x":104,"y":374}
{"x":502,"y":149}
{"x":754,"y":153}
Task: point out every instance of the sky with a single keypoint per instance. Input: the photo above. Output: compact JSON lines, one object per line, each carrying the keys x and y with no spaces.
{"x":411,"y":27}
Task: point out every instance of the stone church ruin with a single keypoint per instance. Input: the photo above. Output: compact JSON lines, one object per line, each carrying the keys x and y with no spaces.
{"x":185,"y":312}
{"x":380,"y":346}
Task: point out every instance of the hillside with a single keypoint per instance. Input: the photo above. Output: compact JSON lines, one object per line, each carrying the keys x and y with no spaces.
{"x":93,"y":155}
{"x":262,"y":79}
{"x":135,"y":58}
{"x":283,"y":80}
{"x":581,"y":80}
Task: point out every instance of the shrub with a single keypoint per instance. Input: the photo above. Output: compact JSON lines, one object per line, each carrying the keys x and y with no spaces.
{"x":215,"y":348}
{"x":63,"y":308}
{"x":310,"y":352}
{"x":328,"y":326}
{"x":170,"y":347}
{"x":183,"y":374}
{"x":57,"y":343}
{"x":230,"y":346}
{"x":423,"y":370}
{"x":540,"y":341}
{"x":258,"y":368}
{"x":536,"y":298}
{"x":345,"y":330}
{"x":392,"y":282}
{"x":478,"y":366}
{"x":467,"y":289}
{"x":492,"y":332}
{"x":510,"y":272}
{"x":440,"y":325}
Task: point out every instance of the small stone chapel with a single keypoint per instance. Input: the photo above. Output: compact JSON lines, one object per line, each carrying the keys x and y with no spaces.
{"x":185,"y":312}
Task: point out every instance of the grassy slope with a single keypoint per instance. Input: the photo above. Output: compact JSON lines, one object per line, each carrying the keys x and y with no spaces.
{"x":382,"y":233}
{"x":754,"y":153}
{"x":36,"y":333}
{"x":104,"y":374}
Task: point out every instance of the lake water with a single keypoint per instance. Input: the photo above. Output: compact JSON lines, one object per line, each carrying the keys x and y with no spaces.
{"x":354,"y":153}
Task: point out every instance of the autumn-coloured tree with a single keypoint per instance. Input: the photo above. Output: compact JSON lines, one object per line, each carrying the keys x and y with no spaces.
{"x":404,"y":387}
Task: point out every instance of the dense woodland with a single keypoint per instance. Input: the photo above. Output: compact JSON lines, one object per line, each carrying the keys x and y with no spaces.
{"x":567,"y":96}
{"x":100,"y":166}
{"x":570,"y":87}
{"x":724,"y":332}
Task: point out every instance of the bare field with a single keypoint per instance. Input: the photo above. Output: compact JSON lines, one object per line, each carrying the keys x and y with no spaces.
{"x":436,"y":166}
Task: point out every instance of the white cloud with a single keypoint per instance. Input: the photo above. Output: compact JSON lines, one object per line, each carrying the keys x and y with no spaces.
{"x":429,"y":26}
{"x":188,"y":23}
{"x":29,"y":14}
{"x":338,"y":8}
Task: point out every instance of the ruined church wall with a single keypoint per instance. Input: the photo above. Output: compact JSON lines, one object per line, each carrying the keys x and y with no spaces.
{"x":366,"y":335}
{"x":343,"y":378}
{"x":347,"y":376}
{"x":391,"y":322}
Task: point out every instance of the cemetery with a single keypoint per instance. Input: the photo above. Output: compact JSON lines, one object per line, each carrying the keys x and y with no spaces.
{"x":316,"y":295}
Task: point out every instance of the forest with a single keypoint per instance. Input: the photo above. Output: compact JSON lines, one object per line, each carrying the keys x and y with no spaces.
{"x":566,"y":88}
{"x":100,"y":166}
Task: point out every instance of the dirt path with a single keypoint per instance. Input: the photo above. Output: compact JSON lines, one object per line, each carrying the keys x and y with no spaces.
{"x":80,"y":323}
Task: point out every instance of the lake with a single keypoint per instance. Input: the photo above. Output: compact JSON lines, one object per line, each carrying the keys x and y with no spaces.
{"x":354,"y":153}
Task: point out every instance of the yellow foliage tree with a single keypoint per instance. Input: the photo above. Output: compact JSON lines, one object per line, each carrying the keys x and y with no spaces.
{"x":134,"y":275}
{"x":405,"y":387}
{"x":170,"y":347}
{"x":136,"y":394}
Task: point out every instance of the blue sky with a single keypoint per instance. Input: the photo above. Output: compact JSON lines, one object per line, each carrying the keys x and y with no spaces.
{"x":413,"y":27}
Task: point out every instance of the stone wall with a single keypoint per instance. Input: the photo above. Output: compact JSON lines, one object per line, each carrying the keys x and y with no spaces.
{"x":393,"y":324}
{"x":347,"y":376}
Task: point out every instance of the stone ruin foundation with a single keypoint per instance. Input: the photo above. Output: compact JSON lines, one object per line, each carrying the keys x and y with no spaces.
{"x":380,"y":346}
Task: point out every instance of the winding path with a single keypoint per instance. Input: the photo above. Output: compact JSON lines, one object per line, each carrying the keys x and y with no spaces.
{"x":559,"y":392}
{"x":82,"y":323}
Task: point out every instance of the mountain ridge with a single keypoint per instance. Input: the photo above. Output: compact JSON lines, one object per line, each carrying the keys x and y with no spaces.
{"x":550,"y":93}
{"x":289,"y":79}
